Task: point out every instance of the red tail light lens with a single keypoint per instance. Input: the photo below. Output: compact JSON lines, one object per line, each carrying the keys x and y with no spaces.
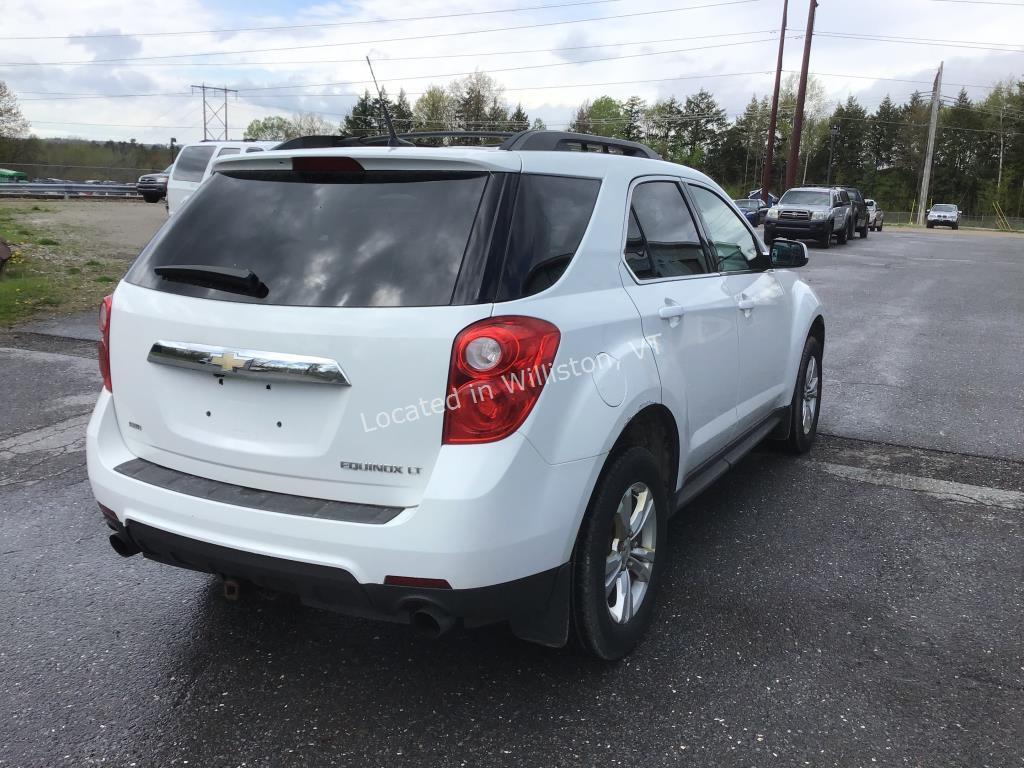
{"x":104,"y":346}
{"x":498,"y":370}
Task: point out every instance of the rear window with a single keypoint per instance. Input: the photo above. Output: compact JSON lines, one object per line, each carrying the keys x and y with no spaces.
{"x":192,"y":163}
{"x":551,"y":216}
{"x":379,"y":239}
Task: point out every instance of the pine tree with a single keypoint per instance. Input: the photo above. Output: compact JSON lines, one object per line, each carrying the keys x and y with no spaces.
{"x":401,"y":113}
{"x":362,"y":120}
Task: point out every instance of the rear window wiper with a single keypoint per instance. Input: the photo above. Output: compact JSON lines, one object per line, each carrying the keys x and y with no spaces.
{"x":243,"y":281}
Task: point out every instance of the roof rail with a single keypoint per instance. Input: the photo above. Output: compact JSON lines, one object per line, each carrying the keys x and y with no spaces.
{"x":524,"y":141}
{"x":322,"y":142}
{"x":567,"y":141}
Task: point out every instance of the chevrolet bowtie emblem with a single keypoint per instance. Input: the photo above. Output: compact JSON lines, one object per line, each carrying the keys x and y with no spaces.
{"x":227,"y":361}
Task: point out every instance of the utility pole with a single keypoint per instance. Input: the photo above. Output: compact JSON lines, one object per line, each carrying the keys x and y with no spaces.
{"x":215,"y":116}
{"x":833,"y":131}
{"x":933,"y":123}
{"x":801,"y":95}
{"x":769,"y":153}
{"x":999,"y":183}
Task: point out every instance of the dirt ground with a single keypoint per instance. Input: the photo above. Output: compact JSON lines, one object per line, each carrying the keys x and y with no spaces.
{"x":68,"y":253}
{"x":93,"y":228}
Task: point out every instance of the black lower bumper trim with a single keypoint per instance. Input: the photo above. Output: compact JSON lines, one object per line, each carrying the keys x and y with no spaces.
{"x":536,"y":606}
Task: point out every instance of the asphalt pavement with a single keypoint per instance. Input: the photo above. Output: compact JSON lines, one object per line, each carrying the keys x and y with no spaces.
{"x":858,"y":606}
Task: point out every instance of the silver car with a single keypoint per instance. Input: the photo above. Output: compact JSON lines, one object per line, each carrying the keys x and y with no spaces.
{"x":876,"y":216}
{"x":943,"y":215}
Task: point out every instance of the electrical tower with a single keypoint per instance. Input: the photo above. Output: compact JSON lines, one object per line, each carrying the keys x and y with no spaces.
{"x":215,"y":111}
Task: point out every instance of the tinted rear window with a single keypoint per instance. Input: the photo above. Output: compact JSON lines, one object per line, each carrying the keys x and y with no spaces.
{"x":551,"y":216}
{"x":192,"y":163}
{"x":368,"y":240}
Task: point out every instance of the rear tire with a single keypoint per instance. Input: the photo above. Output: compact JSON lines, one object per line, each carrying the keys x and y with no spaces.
{"x":615,"y":573}
{"x":806,"y":404}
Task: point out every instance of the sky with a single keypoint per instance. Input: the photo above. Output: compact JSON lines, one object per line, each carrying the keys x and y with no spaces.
{"x":106,"y":69}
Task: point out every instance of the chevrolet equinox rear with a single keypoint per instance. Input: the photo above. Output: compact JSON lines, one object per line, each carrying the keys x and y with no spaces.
{"x":447,"y":385}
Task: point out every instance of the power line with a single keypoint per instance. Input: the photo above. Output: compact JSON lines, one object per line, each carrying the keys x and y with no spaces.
{"x":59,"y":96}
{"x":720,"y":4}
{"x":361,"y":59}
{"x":106,"y":35}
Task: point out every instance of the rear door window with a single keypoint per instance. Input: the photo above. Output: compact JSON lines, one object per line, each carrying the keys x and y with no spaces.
{"x":192,"y":163}
{"x":375,"y":239}
{"x":671,"y":246}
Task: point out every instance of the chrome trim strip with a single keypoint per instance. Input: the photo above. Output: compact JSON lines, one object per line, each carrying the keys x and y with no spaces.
{"x":248,"y":363}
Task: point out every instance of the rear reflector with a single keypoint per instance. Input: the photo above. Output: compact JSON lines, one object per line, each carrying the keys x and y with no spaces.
{"x":416,"y":581}
{"x":104,"y":345}
{"x":326,"y":165}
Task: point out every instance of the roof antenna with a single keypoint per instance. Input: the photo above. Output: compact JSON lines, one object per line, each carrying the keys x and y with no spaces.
{"x":394,"y":141}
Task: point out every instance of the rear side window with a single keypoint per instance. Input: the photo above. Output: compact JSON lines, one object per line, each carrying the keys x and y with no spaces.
{"x":253,"y":149}
{"x":192,"y":163}
{"x":550,"y":218}
{"x":228,"y":151}
{"x":378,"y":239}
{"x":662,"y":239}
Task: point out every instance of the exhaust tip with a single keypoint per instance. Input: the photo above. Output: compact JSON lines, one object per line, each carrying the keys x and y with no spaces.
{"x":123,"y":547}
{"x":431,"y":623}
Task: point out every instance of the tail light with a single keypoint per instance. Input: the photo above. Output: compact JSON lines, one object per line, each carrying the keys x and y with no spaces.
{"x":498,"y":370}
{"x":104,"y":346}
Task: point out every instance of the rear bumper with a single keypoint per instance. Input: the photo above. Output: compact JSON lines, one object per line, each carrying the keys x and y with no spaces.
{"x":491,"y":515}
{"x":536,"y":606}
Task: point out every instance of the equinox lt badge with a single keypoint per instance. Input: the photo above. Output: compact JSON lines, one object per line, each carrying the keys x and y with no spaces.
{"x":388,"y":469}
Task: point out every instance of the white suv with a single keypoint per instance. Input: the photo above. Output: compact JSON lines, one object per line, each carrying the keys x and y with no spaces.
{"x":447,"y":385}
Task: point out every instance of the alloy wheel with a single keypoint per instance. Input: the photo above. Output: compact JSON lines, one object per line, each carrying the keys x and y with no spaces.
{"x":630,"y":560}
{"x":810,"y":398}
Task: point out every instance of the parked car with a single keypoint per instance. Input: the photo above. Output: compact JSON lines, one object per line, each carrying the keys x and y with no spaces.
{"x":153,"y":186}
{"x":859,"y":214}
{"x":195,"y":163}
{"x":756,"y":193}
{"x":943,"y":215}
{"x":493,"y":423}
{"x":876,"y":216}
{"x":811,"y":213}
{"x":754,"y":210}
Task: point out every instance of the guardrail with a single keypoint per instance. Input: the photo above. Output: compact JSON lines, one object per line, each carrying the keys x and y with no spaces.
{"x":50,"y":190}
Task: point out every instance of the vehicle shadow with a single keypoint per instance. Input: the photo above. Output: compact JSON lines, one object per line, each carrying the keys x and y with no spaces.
{"x":322,"y":681}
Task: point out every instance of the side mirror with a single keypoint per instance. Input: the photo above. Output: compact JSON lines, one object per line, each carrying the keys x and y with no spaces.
{"x":788,"y":254}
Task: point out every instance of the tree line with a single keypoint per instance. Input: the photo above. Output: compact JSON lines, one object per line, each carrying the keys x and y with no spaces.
{"x":979,"y":151}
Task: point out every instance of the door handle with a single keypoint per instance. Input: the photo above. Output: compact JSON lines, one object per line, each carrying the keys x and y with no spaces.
{"x":672,"y":311}
{"x":745,"y":304}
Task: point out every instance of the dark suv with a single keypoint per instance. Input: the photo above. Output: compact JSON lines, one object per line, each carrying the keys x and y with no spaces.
{"x":811,"y":213}
{"x":861,"y":218}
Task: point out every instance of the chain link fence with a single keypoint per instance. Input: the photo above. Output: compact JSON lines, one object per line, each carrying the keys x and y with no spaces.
{"x":980,"y":222}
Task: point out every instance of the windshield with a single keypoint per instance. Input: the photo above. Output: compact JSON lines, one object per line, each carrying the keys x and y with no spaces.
{"x":805,"y":197}
{"x":747,"y":204}
{"x":943,"y":208}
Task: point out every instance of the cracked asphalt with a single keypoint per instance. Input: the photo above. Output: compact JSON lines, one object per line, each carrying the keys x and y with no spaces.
{"x":860,"y":606}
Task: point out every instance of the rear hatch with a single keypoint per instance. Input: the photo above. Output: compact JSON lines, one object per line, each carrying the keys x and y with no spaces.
{"x":291,"y":331}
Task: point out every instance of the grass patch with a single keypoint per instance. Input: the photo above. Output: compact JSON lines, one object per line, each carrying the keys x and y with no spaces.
{"x":24,"y":291}
{"x":45,"y":277}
